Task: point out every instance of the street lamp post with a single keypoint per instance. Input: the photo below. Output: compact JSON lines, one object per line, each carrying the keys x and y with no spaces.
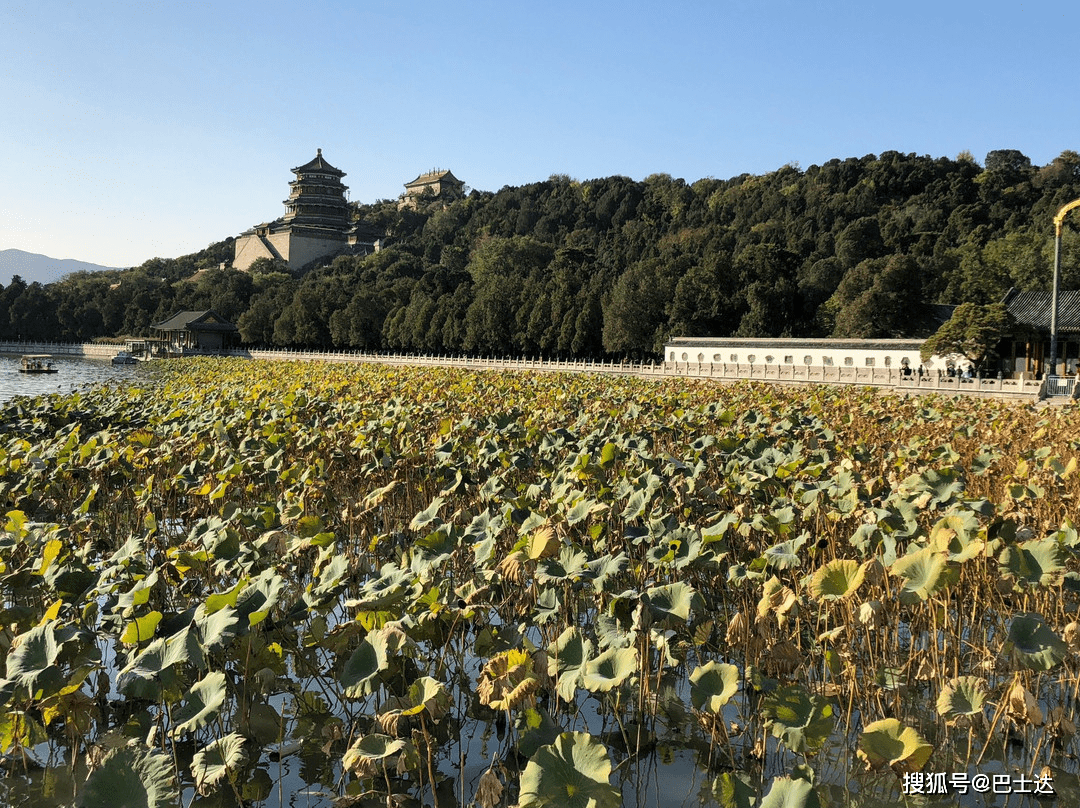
{"x":1059,"y":218}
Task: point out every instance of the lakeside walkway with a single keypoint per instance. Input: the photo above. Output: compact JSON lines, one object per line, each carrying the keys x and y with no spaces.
{"x":883,"y":378}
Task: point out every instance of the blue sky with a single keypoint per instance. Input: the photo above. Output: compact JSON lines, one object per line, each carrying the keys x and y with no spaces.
{"x":135,"y":130}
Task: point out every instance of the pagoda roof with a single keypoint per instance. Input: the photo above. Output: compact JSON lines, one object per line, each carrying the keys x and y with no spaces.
{"x":433,"y":176}
{"x":319,"y":164}
{"x":1032,"y":309}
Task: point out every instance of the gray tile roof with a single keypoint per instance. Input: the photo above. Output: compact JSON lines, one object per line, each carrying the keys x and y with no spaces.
{"x":319,"y":164}
{"x":796,"y":342}
{"x":1031,"y":310}
{"x":186,"y":319}
{"x":434,"y":176}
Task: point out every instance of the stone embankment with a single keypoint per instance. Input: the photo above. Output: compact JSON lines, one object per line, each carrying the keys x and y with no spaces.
{"x":90,"y":350}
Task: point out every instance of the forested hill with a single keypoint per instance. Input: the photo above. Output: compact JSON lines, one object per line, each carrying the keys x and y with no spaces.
{"x":614,"y":267}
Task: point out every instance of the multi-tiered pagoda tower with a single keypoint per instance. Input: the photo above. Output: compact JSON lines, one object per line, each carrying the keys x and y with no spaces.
{"x":317,"y":200}
{"x":316,"y":223}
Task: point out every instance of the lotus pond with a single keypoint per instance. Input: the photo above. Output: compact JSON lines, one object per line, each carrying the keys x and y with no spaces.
{"x":270,"y":584}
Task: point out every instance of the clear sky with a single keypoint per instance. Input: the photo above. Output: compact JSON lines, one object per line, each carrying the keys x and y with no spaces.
{"x":130,"y":130}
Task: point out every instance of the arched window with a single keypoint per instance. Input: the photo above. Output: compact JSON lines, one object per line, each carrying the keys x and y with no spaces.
{"x":717,"y":358}
{"x":769,"y":360}
{"x":751,"y":359}
{"x":808,"y":360}
{"x":734,"y":358}
{"x":684,"y":356}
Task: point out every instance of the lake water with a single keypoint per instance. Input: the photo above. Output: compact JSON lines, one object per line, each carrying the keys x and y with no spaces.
{"x":72,"y":372}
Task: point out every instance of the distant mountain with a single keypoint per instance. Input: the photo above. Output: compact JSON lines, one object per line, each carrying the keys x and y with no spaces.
{"x":33,"y":267}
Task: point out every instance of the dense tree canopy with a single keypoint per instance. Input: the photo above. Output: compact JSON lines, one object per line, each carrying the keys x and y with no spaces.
{"x":615,"y":267}
{"x":973,"y":331}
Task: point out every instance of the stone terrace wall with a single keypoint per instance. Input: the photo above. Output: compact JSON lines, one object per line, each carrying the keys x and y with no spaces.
{"x":91,"y":350}
{"x":887,"y":378}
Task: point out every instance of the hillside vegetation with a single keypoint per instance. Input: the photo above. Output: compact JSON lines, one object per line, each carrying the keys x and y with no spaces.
{"x":614,"y":267}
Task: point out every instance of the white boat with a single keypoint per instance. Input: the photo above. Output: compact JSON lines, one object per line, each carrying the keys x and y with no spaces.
{"x":124,"y":358}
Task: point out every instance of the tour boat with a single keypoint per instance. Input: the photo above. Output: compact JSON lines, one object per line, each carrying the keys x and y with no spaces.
{"x":36,"y":363}
{"x":124,"y":358}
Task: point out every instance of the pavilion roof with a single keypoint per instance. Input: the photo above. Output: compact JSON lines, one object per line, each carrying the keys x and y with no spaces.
{"x":206,"y":320}
{"x":319,"y":164}
{"x":434,"y":176}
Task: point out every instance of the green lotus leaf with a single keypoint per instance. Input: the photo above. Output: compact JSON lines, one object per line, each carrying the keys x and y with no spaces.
{"x":131,"y":776}
{"x":141,"y":629}
{"x":428,"y":515}
{"x":670,"y":604}
{"x":260,"y":596}
{"x":433,"y":548}
{"x":801,"y":720}
{"x":428,"y":694}
{"x":783,"y":556}
{"x":837,"y":579}
{"x":957,"y":534}
{"x":568,"y":567}
{"x":889,"y":743}
{"x":605,"y":568}
{"x":31,"y":662}
{"x":609,"y":670}
{"x":1034,"y":644}
{"x":635,"y":505}
{"x":580,"y":511}
{"x":567,"y":657}
{"x":201,"y":704}
{"x":393,"y":586}
{"x":791,"y":793}
{"x":364,"y":666}
{"x":219,"y":628}
{"x":942,"y":485}
{"x":139,"y":594}
{"x":1033,"y":563}
{"x":925,"y":573}
{"x":964,"y":695}
{"x":679,"y":547}
{"x":144,"y":672}
{"x":535,"y":728}
{"x":712,"y":685}
{"x":220,"y":600}
{"x":573,"y":772}
{"x":732,"y":790}
{"x":217,"y":760}
{"x":331,"y":577}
